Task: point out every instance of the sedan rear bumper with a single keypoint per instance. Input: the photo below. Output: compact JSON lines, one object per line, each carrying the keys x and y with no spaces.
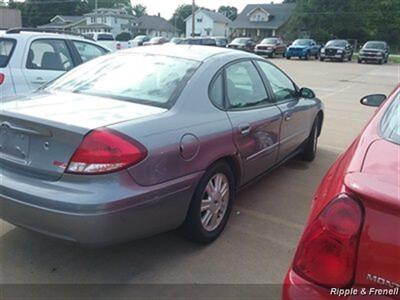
{"x":107,"y":211}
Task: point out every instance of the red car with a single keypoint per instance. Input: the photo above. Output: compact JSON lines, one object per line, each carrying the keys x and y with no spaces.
{"x":351,"y":244}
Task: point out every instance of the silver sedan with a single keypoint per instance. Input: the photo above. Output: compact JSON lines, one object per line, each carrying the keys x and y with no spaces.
{"x":148,"y":140}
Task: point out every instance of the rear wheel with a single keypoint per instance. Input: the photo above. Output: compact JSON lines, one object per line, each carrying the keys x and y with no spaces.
{"x":287,"y":57}
{"x":310,"y":146}
{"x":211,"y":204}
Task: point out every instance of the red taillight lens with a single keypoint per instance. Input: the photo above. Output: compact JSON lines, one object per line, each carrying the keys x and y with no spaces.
{"x":104,"y":151}
{"x":2,"y":77}
{"x":327,"y":252}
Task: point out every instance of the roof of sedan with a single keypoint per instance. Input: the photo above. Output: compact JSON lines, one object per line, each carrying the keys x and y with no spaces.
{"x":193,"y":52}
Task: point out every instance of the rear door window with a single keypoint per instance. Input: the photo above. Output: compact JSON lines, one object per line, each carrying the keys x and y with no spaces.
{"x":88,"y":51}
{"x":49,"y":54}
{"x":6,"y":49}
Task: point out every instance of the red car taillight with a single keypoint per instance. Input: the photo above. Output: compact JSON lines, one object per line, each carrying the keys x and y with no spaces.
{"x":104,"y":151}
{"x":2,"y":77}
{"x":327,"y":252}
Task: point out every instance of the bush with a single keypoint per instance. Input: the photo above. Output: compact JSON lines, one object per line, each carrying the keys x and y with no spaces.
{"x":123,"y":37}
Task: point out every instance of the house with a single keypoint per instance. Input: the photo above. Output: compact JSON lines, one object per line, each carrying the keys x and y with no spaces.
{"x":110,"y":20}
{"x":208,"y":23}
{"x":65,"y":23}
{"x":10,"y":18}
{"x":155,"y":26}
{"x":262,"y":20}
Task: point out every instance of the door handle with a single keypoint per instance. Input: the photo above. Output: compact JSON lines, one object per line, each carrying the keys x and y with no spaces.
{"x":245,"y":129}
{"x":39,"y":80}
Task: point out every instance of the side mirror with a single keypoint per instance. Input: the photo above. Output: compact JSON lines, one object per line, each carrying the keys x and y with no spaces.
{"x":373,"y":100}
{"x":307,"y":93}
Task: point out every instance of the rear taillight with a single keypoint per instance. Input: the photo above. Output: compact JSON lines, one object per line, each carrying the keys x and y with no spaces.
{"x":2,"y":77}
{"x":327,"y":252}
{"x":104,"y":151}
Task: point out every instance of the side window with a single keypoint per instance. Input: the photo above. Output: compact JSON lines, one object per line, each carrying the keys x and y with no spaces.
{"x":47,"y":54}
{"x":217,"y":91}
{"x":282,"y":87}
{"x":88,"y":51}
{"x":244,"y":86}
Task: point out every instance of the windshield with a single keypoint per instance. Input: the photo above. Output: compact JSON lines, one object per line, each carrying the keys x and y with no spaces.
{"x":269,"y":41}
{"x":336,"y":44}
{"x":390,"y":125}
{"x":6,"y":49}
{"x":375,"y":45}
{"x":119,"y":77}
{"x":240,"y":41}
{"x":302,"y":42}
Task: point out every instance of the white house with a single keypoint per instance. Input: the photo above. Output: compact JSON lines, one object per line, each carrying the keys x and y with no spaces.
{"x":208,"y":23}
{"x":110,"y":20}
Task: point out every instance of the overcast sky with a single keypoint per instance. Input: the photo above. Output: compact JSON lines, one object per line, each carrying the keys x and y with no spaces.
{"x":167,"y":7}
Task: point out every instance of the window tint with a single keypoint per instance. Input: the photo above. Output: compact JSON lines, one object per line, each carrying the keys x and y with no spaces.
{"x":282,"y":87}
{"x":244,"y":86}
{"x":217,"y":91}
{"x":88,"y":51}
{"x":49,"y":55}
{"x":6,"y":49}
{"x":112,"y":77}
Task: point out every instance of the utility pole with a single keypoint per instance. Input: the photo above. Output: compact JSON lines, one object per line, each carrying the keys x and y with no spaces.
{"x":193,"y":18}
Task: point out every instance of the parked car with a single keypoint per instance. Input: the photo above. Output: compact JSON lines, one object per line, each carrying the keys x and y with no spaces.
{"x":156,"y":41}
{"x":339,"y":50}
{"x":271,"y":47}
{"x":351,"y":238}
{"x":107,"y":40}
{"x":221,"y":41}
{"x":204,"y":41}
{"x":175,"y":41}
{"x":245,"y":44}
{"x":303,"y":48}
{"x":29,"y":59}
{"x":374,"y":51}
{"x":125,"y":157}
{"x":139,"y":40}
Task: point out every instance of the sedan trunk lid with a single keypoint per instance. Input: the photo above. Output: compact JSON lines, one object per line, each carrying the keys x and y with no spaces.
{"x":378,"y":187}
{"x":39,"y":134}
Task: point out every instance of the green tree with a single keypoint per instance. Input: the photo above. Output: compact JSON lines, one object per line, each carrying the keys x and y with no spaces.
{"x":179,"y":16}
{"x":139,"y":10}
{"x":230,"y":12}
{"x":123,"y":37}
{"x":349,"y":19}
{"x":124,"y":4}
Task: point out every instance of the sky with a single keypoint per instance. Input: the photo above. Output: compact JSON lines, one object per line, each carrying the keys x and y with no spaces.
{"x":167,"y":7}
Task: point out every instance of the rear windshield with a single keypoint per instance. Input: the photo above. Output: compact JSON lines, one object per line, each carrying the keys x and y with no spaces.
{"x":138,"y":77}
{"x":390,"y":125}
{"x":6,"y":49}
{"x":105,"y":37}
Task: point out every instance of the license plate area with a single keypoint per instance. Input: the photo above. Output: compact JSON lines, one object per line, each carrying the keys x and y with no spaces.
{"x":13,"y":143}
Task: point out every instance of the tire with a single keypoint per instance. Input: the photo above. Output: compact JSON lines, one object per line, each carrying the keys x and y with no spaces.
{"x":310,"y":146}
{"x":283,"y":53}
{"x":321,"y":59}
{"x":380,"y":61}
{"x":359,"y":61}
{"x":316,"y":56}
{"x":195,"y":226}
{"x":287,"y":57}
{"x":271,"y":55}
{"x":350,"y":57}
{"x":307,"y":57}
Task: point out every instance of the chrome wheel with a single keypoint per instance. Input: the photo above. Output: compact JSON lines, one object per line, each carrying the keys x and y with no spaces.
{"x":214,"y":202}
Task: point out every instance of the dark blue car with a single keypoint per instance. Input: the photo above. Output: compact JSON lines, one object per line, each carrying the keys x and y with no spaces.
{"x":303,"y":48}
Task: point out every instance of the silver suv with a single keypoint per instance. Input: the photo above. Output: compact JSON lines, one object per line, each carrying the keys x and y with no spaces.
{"x":29,"y":58}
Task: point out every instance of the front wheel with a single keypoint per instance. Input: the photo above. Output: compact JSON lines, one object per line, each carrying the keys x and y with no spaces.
{"x":310,"y":146}
{"x":287,"y":57}
{"x":211,"y":204}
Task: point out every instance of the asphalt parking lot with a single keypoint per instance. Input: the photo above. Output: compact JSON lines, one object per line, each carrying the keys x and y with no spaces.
{"x":259,"y":241}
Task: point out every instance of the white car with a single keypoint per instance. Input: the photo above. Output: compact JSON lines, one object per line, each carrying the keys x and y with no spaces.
{"x":30,"y":59}
{"x":107,"y":40}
